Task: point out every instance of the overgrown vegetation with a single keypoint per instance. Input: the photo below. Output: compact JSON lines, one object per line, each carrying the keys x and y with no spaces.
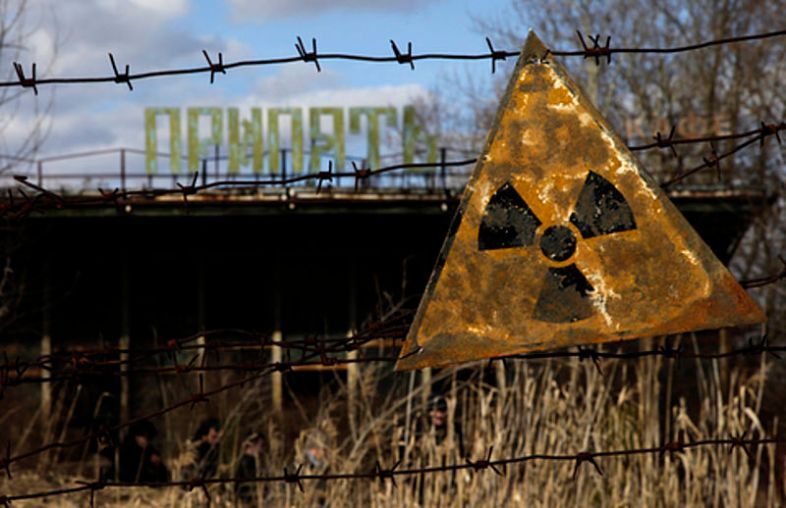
{"x":549,"y":407}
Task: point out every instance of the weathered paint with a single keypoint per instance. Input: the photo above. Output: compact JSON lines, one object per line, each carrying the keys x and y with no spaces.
{"x":561,"y":239}
{"x":324,"y":143}
{"x":252,"y":137}
{"x":274,"y":138}
{"x":151,"y":139}
{"x":199,"y":148}
{"x":244,"y":134}
{"x":372,"y":128}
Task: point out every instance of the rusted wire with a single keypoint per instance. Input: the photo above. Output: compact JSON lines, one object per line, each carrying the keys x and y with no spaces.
{"x":713,"y":160}
{"x":45,"y":198}
{"x":200,"y":396}
{"x":80,"y":366}
{"x":595,"y":51}
{"x":378,"y":473}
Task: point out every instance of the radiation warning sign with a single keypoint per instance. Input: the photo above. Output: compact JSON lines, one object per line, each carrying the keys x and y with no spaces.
{"x":562,"y":239}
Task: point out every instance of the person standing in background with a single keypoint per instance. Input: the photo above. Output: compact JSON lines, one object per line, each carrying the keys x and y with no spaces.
{"x":248,"y":467}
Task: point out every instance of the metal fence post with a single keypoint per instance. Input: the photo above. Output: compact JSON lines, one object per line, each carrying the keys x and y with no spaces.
{"x":40,"y":171}
{"x":283,"y":165}
{"x":216,"y":159}
{"x":123,"y":169}
{"x":443,"y":157}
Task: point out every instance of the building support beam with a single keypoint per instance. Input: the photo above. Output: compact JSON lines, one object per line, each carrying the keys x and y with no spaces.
{"x":46,"y":346}
{"x":353,"y":374}
{"x":276,"y":353}
{"x":124,"y":341}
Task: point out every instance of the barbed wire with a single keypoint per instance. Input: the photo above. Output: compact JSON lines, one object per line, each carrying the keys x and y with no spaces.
{"x":383,"y":474}
{"x":80,"y":366}
{"x":201,"y":396}
{"x":321,"y":352}
{"x":713,"y":159}
{"x":45,"y":198}
{"x":660,"y":141}
{"x":595,"y":51}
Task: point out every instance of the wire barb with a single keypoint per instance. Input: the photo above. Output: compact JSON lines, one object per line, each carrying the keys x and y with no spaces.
{"x":125,"y":77}
{"x":24,"y":81}
{"x":585,"y":457}
{"x":588,"y":353}
{"x":485,"y":463}
{"x":294,"y":477}
{"x":188,"y":189}
{"x":215,"y":67}
{"x":668,"y":142}
{"x":713,"y":161}
{"x":360,"y":174}
{"x":670,"y":352}
{"x":770,"y":130}
{"x":385,"y":474}
{"x":325,"y":175}
{"x":495,"y":55}
{"x":308,"y":56}
{"x":403,"y":58}
{"x":596,"y":51}
{"x":738,"y":441}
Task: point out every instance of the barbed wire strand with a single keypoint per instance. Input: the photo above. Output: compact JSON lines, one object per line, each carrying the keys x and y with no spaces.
{"x":46,"y":198}
{"x":378,"y":473}
{"x":13,"y":373}
{"x":201,"y":396}
{"x":595,"y":51}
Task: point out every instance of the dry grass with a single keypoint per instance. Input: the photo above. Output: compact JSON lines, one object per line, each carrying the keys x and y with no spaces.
{"x":552,"y":407}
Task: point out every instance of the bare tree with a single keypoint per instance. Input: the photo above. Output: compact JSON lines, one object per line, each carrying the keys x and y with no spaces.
{"x":16,"y":28}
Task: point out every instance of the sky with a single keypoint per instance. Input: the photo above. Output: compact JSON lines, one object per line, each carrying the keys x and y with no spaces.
{"x":73,"y":37}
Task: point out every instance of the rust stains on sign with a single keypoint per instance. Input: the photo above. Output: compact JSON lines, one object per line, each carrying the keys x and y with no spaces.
{"x":562,"y":239}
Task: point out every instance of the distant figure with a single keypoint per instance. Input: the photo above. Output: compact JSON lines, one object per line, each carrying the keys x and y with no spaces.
{"x":311,"y":453}
{"x":315,"y":450}
{"x":203,"y":451}
{"x":438,"y":418}
{"x":140,"y":461}
{"x":249,"y":467}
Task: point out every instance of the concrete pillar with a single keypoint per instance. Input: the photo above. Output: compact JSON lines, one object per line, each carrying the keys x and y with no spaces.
{"x":201,"y":320}
{"x":276,"y":379}
{"x":276,"y":353}
{"x":352,"y":368}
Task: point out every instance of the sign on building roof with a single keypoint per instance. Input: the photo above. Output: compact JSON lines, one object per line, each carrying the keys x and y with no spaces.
{"x":562,"y":239}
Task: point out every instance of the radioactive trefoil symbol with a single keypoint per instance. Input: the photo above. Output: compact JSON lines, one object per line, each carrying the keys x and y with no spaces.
{"x":508,"y":222}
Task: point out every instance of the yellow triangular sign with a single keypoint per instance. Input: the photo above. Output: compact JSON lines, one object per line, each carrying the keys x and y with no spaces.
{"x":562,"y":239}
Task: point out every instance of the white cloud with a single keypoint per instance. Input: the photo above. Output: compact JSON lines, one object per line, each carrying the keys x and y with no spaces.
{"x":167,"y":8}
{"x":73,"y":39}
{"x":140,"y":32}
{"x":295,"y":80}
{"x":243,"y":10}
{"x":301,"y":85}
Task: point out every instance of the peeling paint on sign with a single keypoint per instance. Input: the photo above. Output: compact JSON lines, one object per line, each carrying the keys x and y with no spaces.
{"x":561,"y":239}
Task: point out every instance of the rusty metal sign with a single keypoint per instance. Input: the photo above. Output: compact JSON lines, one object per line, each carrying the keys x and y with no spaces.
{"x":561,"y":239}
